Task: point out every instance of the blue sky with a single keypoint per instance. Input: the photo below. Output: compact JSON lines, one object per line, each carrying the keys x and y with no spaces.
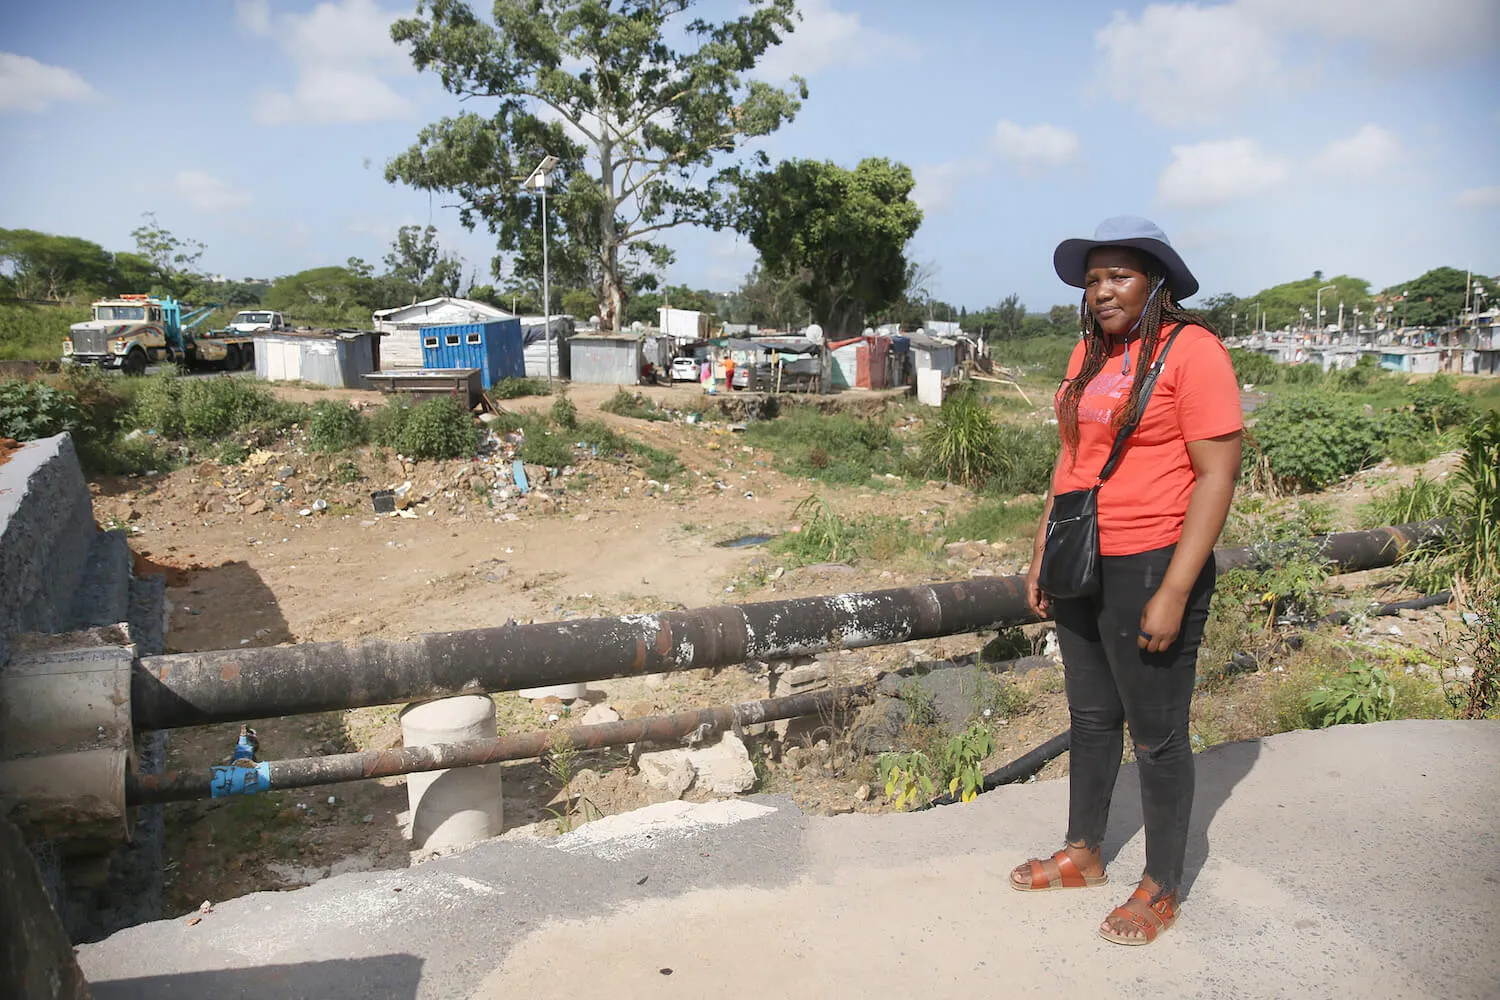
{"x":1268,"y":137}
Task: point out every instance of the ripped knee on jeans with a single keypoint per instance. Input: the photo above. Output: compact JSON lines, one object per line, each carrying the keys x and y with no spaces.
{"x":1145,"y":751}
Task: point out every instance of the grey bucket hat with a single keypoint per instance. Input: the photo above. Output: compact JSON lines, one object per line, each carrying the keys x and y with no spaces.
{"x":1072,"y":256}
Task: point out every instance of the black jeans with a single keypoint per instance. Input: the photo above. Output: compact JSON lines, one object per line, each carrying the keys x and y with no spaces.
{"x":1110,"y":681}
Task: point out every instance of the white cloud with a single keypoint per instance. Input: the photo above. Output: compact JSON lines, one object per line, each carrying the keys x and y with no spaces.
{"x":1363,"y":155}
{"x":1034,"y":147}
{"x":938,"y":184}
{"x":253,"y":17}
{"x":1480,"y":197}
{"x":825,"y":39}
{"x":28,"y":85}
{"x":342,"y":51}
{"x":1408,"y":29}
{"x":207,"y":193}
{"x":1184,"y":64}
{"x":1028,"y":149}
{"x":1215,"y":173}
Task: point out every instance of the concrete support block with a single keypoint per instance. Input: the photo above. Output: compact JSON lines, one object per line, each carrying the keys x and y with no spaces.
{"x":46,"y":532}
{"x":75,"y":800}
{"x":462,"y":806}
{"x":36,"y":957}
{"x":66,"y":692}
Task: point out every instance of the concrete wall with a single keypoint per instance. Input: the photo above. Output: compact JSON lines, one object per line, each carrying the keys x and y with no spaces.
{"x":60,"y":573}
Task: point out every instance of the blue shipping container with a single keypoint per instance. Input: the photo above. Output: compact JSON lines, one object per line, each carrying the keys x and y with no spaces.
{"x":494,"y":348}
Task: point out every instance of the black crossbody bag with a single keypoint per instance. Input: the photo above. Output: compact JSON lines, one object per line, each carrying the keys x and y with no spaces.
{"x":1070,"y":560}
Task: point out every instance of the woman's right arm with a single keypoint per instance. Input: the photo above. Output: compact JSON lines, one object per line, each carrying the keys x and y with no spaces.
{"x":1035,"y":596}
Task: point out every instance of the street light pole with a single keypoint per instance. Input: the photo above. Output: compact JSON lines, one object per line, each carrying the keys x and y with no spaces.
{"x":1318,"y":312}
{"x":540,"y":180}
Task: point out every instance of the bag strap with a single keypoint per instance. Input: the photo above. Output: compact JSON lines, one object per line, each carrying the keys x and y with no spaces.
{"x":1146,"y":387}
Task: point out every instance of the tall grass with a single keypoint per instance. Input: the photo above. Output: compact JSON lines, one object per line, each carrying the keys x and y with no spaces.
{"x":994,"y":521}
{"x":828,"y":447}
{"x":962,"y":442}
{"x":36,"y":332}
{"x":824,"y":535}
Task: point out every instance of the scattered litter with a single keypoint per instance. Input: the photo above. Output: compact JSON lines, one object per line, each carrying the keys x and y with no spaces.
{"x":330,"y":800}
{"x":320,"y":504}
{"x":205,"y":907}
{"x":194,"y":920}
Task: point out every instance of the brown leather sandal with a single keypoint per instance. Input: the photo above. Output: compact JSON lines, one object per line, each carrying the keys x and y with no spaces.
{"x":1069,"y":876}
{"x":1158,"y":917}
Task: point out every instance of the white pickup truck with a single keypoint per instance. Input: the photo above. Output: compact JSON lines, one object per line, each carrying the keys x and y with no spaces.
{"x":257,"y":321}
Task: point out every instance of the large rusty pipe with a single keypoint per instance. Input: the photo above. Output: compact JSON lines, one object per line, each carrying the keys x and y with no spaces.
{"x":191,"y":689}
{"x":217,"y":782}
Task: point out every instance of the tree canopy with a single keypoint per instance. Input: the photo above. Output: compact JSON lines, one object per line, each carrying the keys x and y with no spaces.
{"x":1437,"y":297}
{"x":842,"y":233}
{"x":637,"y":123}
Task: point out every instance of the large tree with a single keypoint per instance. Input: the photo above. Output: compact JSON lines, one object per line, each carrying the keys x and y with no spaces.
{"x":1437,"y":297}
{"x":636,"y":101}
{"x":416,"y":260}
{"x":43,"y":266}
{"x":844,"y":231}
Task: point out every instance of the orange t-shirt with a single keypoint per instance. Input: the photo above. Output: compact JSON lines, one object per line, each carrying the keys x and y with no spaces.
{"x":1142,"y":506}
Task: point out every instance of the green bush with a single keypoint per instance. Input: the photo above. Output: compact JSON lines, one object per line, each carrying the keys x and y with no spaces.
{"x":32,"y":410}
{"x":1365,"y":373}
{"x":1254,"y":367}
{"x":336,"y":426}
{"x":1312,"y":441}
{"x":961,"y":444}
{"x":515,"y":388}
{"x":438,"y":428}
{"x":1438,"y":404}
{"x":1360,"y":694}
{"x":632,"y":404}
{"x":206,"y":408}
{"x":544,"y":446}
{"x":564,"y":413}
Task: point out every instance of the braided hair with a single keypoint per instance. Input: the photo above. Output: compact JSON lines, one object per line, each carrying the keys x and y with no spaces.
{"x":1161,"y":310}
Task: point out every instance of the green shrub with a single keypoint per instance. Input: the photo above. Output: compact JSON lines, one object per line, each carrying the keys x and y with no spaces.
{"x":336,"y":426}
{"x":823,"y":535}
{"x":207,"y":408}
{"x":386,"y":423}
{"x":1365,"y":373}
{"x":515,"y":388}
{"x":564,"y":413}
{"x":656,"y":463}
{"x":1254,"y":367}
{"x":1360,"y":694}
{"x":233,"y":452}
{"x":32,"y":410}
{"x":1406,"y":439}
{"x":632,"y":404}
{"x":961,"y":444}
{"x":1438,"y":404}
{"x":1311,"y":441}
{"x":438,"y":428}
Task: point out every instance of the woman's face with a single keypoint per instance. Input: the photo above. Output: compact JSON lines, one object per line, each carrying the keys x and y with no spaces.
{"x":1116,"y":287}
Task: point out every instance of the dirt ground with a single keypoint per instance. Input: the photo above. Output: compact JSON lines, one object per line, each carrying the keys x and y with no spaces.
{"x":252,"y":560}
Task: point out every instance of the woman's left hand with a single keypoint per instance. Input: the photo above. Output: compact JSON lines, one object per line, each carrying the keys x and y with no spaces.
{"x":1161,"y":621}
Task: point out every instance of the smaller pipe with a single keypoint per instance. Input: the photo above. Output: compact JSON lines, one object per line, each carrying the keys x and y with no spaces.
{"x":1019,"y":769}
{"x":1416,"y":604}
{"x":217,"y":782}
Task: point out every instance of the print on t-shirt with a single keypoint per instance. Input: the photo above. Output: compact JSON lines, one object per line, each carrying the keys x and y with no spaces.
{"x":1103,"y":396}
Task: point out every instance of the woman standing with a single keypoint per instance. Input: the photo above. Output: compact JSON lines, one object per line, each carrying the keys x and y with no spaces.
{"x":1130,"y":651}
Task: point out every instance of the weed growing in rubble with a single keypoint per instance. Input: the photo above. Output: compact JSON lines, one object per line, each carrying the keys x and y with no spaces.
{"x":828,"y":447}
{"x":632,"y":404}
{"x":963,"y":760}
{"x":546,"y":447}
{"x":907,"y":778}
{"x":438,"y":428}
{"x":1479,"y":696}
{"x":561,"y":762}
{"x":336,"y":426}
{"x":564,"y":413}
{"x":1360,"y":694}
{"x":515,"y":388}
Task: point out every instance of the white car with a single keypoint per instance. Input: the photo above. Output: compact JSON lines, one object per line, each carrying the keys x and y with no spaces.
{"x":684,"y":370}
